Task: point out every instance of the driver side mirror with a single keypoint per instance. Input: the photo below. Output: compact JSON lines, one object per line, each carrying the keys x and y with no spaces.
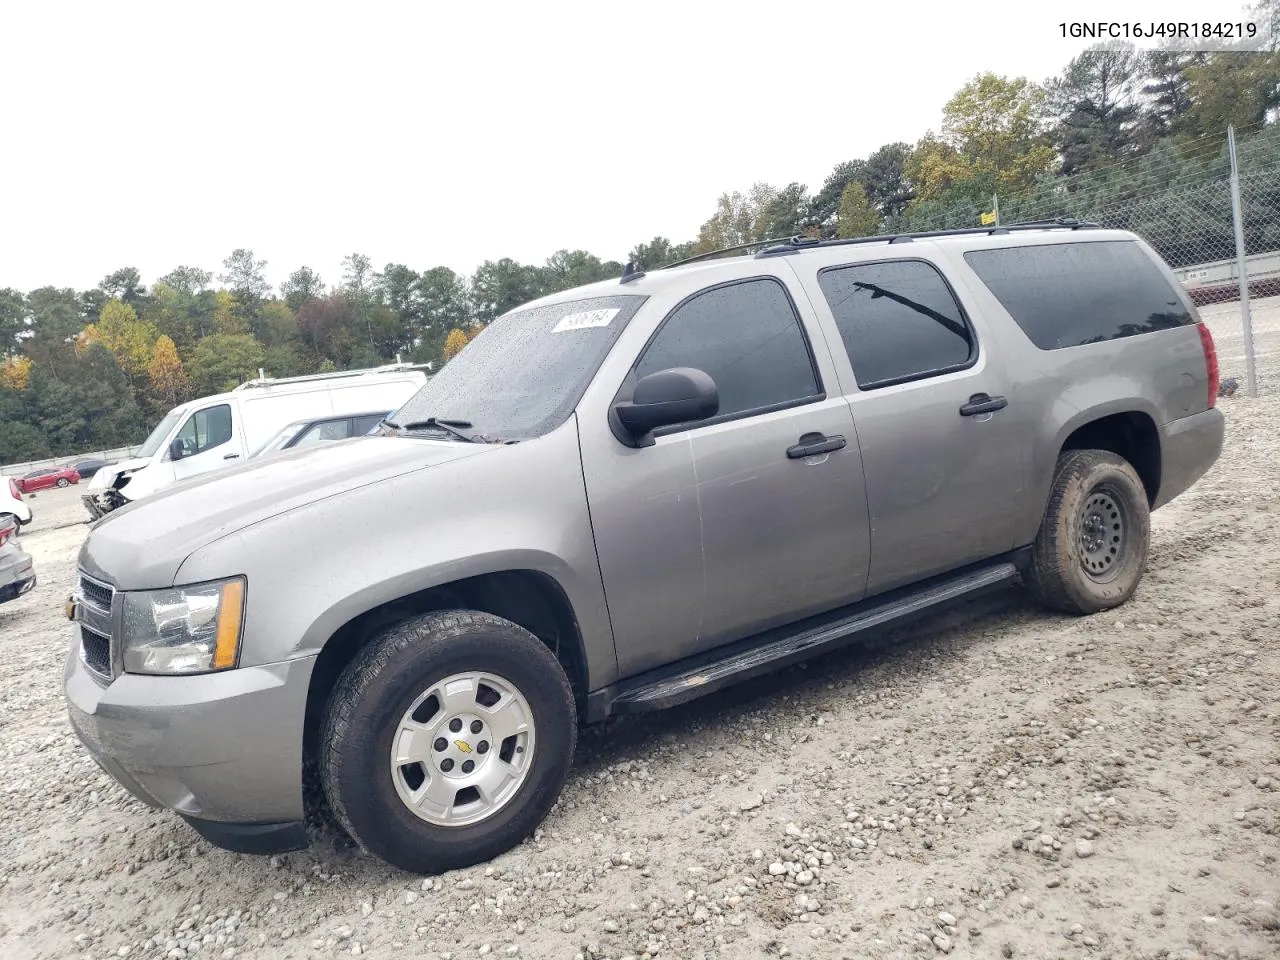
{"x":175,"y":449}
{"x":675,"y":395}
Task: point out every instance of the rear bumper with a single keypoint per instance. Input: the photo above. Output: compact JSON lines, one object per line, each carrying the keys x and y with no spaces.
{"x":223,"y":750}
{"x":17,"y":574}
{"x":1191,"y":446}
{"x":18,"y":508}
{"x":14,"y":590}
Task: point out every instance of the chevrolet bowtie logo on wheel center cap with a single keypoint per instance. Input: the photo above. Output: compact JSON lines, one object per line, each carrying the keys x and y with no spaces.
{"x":462,"y":745}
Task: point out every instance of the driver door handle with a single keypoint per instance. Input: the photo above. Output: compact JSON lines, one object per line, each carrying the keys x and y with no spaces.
{"x":812,"y":444}
{"x":232,"y":456}
{"x":981,"y":403}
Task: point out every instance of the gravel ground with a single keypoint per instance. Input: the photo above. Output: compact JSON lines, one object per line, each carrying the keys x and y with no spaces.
{"x":1003,"y":783}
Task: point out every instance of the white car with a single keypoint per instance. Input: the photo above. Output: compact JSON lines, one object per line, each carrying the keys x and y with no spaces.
{"x":11,"y":503}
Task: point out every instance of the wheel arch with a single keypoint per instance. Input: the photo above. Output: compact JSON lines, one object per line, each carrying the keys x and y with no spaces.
{"x":532,"y":599}
{"x":1131,"y":434}
{"x":1127,"y":426}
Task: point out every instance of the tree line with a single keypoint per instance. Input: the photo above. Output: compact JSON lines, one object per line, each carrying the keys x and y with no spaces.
{"x":93,"y":369}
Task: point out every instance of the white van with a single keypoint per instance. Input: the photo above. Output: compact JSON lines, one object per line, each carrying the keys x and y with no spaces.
{"x":224,"y":429}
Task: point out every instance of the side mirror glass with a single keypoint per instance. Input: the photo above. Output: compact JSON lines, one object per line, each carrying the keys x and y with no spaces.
{"x":667,"y":397}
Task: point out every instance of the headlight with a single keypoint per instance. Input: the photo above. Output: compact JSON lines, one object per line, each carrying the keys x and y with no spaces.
{"x":184,"y":629}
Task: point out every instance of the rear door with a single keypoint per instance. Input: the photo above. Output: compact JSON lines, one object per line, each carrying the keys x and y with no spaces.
{"x":944,"y":442}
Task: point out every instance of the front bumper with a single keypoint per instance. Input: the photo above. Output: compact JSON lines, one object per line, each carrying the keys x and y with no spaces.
{"x":1191,"y":445}
{"x":223,"y":750}
{"x":102,"y":502}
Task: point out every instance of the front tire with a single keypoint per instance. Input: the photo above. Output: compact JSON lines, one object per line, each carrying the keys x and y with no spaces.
{"x":64,"y":482}
{"x":1092,"y":545}
{"x":447,"y":740}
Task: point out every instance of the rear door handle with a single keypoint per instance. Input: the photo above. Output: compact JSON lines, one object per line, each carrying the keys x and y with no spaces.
{"x":981,"y":403}
{"x":812,"y":444}
{"x":232,"y":456}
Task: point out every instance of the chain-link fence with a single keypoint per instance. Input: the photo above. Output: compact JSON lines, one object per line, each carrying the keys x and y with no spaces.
{"x":1179,"y":199}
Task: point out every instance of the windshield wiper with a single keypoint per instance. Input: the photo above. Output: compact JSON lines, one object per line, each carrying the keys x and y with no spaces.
{"x":456,"y":427}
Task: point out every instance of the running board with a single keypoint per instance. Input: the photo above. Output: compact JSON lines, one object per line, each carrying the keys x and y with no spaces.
{"x":779,"y":648}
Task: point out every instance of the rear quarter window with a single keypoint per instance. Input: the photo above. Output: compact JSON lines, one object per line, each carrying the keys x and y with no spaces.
{"x":1070,"y":294}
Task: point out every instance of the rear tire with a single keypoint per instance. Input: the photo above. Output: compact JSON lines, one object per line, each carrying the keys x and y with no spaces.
{"x":389,"y":735}
{"x":1092,"y":546}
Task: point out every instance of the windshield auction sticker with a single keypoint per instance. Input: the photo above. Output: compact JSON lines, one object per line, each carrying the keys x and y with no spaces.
{"x":581,"y":321}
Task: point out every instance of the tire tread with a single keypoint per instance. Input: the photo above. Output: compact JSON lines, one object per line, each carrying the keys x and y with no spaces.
{"x":1052,"y":572}
{"x":425,"y":631}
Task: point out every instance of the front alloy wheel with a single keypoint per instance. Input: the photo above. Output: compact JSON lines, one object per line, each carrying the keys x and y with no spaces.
{"x":463,"y":749}
{"x":446,"y":740}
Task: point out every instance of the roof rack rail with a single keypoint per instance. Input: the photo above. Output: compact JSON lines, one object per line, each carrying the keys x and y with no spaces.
{"x":1065,"y":223}
{"x":263,"y":381}
{"x":797,"y":240}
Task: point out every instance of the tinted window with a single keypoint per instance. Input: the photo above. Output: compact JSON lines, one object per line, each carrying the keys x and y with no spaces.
{"x":747,"y":337}
{"x":364,"y":425}
{"x":526,"y":371}
{"x":325,"y":431}
{"x":1067,"y":294}
{"x":205,"y":429}
{"x":898,"y":320}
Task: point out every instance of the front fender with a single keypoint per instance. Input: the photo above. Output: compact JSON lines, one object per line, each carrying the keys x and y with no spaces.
{"x":314,"y":568}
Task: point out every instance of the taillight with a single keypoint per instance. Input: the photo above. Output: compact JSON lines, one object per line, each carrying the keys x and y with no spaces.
{"x":13,"y":489}
{"x":1210,"y":361}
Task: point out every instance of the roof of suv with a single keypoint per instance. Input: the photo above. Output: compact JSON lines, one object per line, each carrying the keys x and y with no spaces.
{"x":714,"y":262}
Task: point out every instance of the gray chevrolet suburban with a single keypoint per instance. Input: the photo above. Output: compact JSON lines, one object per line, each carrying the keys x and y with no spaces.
{"x":621,"y":497}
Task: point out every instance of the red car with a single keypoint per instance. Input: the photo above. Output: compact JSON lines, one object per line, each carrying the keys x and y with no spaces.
{"x":48,"y":477}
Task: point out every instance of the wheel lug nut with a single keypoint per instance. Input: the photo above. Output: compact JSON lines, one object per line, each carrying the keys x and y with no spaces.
{"x":482,"y":747}
{"x":441,"y":744}
{"x":476,"y":726}
{"x":455,"y":725}
{"x":468,"y":766}
{"x":446,"y":764}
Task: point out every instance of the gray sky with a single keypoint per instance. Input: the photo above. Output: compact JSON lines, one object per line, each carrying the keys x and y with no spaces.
{"x":158,"y":134}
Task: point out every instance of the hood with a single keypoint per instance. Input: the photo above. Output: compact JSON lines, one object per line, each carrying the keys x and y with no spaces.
{"x":142,"y":544}
{"x":107,"y":475}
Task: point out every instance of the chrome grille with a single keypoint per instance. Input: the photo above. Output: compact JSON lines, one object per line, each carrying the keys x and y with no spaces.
{"x":95,"y":649}
{"x":96,"y":600}
{"x":96,"y":593}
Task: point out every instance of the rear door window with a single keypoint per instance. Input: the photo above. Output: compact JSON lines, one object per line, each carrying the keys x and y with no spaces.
{"x":898,"y":319}
{"x":1070,"y":294}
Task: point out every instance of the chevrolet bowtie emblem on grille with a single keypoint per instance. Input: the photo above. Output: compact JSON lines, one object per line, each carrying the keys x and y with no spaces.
{"x":462,"y":745}
{"x":70,"y":608}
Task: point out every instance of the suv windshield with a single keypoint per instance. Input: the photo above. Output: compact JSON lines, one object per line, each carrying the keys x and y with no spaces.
{"x":156,"y":437}
{"x":525,"y":371}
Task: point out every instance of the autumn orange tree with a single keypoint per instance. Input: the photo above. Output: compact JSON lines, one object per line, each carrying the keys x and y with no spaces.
{"x":454,"y":343}
{"x":170,"y":384}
